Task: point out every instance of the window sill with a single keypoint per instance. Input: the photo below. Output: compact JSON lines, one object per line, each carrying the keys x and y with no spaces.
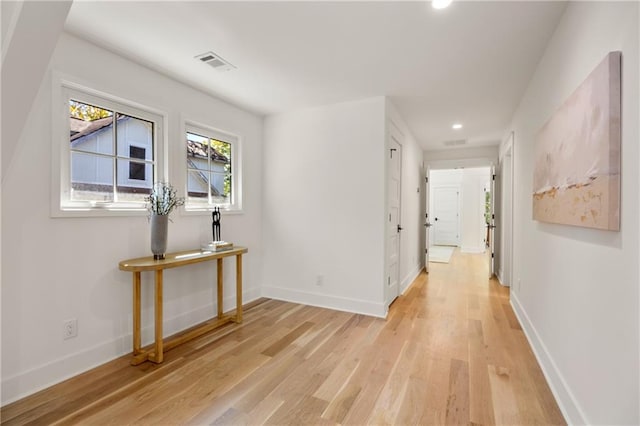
{"x":79,"y":212}
{"x":201,"y":211}
{"x":71,"y":212}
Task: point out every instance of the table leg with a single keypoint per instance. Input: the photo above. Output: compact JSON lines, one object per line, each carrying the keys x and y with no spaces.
{"x":239,"y":288}
{"x":158,"y":313}
{"x":136,"y":313}
{"x":220,"y":284}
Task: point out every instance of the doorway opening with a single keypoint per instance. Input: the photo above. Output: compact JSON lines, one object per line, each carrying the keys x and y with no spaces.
{"x":459,"y":205}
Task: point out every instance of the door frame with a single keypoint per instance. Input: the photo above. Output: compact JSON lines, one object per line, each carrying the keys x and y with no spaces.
{"x":495,"y":220}
{"x":430,"y":165}
{"x":507,"y":210}
{"x":427,"y":215}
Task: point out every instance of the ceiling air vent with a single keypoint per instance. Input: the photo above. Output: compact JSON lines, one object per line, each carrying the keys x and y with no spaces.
{"x":455,"y":143}
{"x":215,"y":61}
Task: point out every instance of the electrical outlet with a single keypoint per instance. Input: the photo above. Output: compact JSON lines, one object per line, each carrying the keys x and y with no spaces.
{"x":69,"y":328}
{"x":320,"y":280}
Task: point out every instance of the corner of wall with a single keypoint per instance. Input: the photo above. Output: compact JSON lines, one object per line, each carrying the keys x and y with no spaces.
{"x":325,"y":301}
{"x":411,"y":277}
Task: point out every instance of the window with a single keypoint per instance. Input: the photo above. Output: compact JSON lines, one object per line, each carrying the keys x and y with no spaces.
{"x":211,"y":169}
{"x":108,"y":154}
{"x":137,"y":170}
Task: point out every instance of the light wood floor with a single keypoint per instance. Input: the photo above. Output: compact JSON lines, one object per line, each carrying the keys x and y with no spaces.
{"x":450,"y":352}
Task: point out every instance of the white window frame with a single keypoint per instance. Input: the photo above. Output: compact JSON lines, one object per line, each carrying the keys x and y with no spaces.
{"x":61,"y":203}
{"x":235,"y":207}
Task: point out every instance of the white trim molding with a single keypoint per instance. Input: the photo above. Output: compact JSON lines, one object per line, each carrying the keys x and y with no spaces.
{"x":43,"y":376}
{"x":326,"y":301}
{"x":571,"y":410}
{"x":410,"y":278}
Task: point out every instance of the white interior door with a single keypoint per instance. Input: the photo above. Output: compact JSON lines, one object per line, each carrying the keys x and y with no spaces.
{"x":427,"y":221}
{"x":394,"y":159}
{"x":446,"y":215}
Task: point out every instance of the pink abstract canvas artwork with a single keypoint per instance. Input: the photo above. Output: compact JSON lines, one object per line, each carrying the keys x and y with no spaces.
{"x":577,"y":158}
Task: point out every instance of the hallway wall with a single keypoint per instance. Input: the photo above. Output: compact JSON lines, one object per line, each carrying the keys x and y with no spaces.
{"x":324,"y":202}
{"x":76,"y":274}
{"x":575,"y":289}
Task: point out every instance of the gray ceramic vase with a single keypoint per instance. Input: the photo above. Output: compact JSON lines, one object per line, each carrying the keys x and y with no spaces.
{"x":159,"y":228}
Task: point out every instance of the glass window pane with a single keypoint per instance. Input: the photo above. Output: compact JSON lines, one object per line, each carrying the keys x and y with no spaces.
{"x":91,"y":177}
{"x":90,"y":128}
{"x":197,"y":152}
{"x":194,"y":137}
{"x":134,"y":187}
{"x":221,"y":154}
{"x":209,"y":161}
{"x":221,"y":172}
{"x":134,"y":132}
{"x":135,"y":173}
{"x":198,"y":186}
{"x":137,"y":152}
{"x":125,"y":196}
{"x":137,"y":170}
{"x":221,"y":188}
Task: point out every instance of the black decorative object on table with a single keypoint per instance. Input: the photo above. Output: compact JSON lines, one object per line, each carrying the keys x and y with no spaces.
{"x":217,"y":244}
{"x":215,"y":225}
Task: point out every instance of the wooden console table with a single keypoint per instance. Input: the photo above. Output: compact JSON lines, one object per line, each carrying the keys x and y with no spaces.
{"x":155,"y":352}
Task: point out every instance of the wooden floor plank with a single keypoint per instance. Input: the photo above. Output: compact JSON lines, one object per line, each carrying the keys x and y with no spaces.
{"x":458,"y":401}
{"x":505,"y":405}
{"x":451,"y":351}
{"x":342,"y":403}
{"x":480,"y":402}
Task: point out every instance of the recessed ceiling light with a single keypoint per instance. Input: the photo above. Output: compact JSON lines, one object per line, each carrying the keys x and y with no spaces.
{"x":457,"y":126}
{"x":440,"y":4}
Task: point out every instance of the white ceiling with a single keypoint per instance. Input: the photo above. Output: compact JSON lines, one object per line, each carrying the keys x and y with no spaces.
{"x":469,"y":63}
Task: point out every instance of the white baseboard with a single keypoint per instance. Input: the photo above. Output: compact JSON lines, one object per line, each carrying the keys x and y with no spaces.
{"x":326,"y":301}
{"x":569,"y":406}
{"x":500,"y":280}
{"x":471,"y":249}
{"x":406,"y":282}
{"x":41,"y":377}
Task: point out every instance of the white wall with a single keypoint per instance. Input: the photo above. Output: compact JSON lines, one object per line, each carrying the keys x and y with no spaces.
{"x":473,"y":230}
{"x":56,"y":269}
{"x":22,"y":73}
{"x":324,"y":206}
{"x":575,"y":290}
{"x":412,"y":238}
{"x":9,"y":13}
